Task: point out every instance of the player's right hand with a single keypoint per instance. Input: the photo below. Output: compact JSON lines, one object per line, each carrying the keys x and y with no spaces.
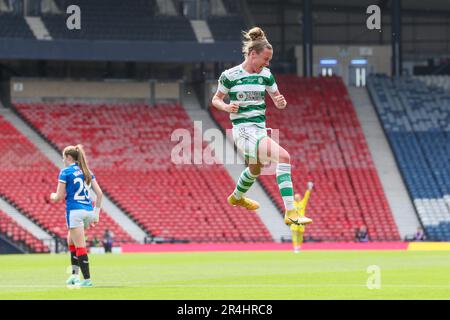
{"x":310,"y":185}
{"x":53,"y":196}
{"x":94,"y":221}
{"x":231,"y":108}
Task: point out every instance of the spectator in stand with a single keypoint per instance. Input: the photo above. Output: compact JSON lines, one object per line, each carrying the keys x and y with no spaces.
{"x":362,"y":235}
{"x":420,"y":235}
{"x":95,"y":242}
{"x":108,"y":238}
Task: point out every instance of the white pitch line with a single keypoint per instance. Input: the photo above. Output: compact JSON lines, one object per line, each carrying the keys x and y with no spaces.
{"x":101,"y":285}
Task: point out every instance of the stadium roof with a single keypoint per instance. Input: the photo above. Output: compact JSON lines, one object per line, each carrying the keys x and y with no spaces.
{"x":406,"y":4}
{"x":411,"y":6}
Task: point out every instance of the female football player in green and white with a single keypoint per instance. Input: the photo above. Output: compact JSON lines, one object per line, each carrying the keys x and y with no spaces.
{"x":246,"y":85}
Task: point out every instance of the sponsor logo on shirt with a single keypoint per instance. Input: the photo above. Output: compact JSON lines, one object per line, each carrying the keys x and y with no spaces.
{"x":250,"y":95}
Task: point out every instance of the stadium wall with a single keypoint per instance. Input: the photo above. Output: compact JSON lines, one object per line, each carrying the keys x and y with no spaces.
{"x":32,"y":88}
{"x":309,"y":246}
{"x":378,"y":58}
{"x":8,"y":247}
{"x":23,"y":89}
{"x":425,"y":33}
{"x":136,"y":51}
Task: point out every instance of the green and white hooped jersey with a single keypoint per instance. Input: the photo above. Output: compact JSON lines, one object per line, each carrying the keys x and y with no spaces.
{"x":248,"y":91}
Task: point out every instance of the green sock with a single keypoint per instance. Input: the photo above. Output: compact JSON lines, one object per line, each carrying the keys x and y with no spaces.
{"x":285,"y":185}
{"x":244,"y":183}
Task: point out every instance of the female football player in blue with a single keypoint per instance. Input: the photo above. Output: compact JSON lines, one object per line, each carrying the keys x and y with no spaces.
{"x":74,"y":183}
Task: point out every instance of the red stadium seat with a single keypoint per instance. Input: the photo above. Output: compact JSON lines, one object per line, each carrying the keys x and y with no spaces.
{"x":28,"y":178}
{"x":14,"y":231}
{"x":129,"y":147}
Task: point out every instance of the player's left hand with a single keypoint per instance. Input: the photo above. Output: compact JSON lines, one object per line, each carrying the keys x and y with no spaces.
{"x":96,"y":215}
{"x":280,"y":102}
{"x":53,"y":196}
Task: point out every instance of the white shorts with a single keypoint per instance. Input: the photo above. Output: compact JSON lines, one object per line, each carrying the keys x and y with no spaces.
{"x":79,"y":218}
{"x":247,"y":139}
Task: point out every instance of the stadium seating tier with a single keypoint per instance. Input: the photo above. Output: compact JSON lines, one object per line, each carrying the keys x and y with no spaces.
{"x":415,"y":113}
{"x":13,"y":231}
{"x":129,"y":148}
{"x":27,"y":185}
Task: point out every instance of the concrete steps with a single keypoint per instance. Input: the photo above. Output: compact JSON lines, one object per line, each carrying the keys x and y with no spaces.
{"x":38,"y":28}
{"x":202,"y":31}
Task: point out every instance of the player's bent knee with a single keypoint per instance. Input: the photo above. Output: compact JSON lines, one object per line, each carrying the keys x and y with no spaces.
{"x":284,"y":157}
{"x":255,"y":169}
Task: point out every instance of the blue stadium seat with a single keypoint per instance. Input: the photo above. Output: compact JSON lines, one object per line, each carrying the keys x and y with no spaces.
{"x":13,"y":26}
{"x":120,"y":20}
{"x":416,"y":119}
{"x":227,"y":28}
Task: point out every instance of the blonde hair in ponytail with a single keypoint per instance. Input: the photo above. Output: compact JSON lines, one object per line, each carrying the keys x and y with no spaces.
{"x":78,"y":155}
{"x":82,"y":162}
{"x":254,"y":39}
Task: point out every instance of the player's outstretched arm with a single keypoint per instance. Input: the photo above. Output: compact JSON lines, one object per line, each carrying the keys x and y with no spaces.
{"x":307,"y":194}
{"x":59,"y":194}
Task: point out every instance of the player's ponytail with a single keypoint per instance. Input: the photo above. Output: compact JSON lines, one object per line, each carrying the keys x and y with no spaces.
{"x":254,"y":39}
{"x":82,"y":162}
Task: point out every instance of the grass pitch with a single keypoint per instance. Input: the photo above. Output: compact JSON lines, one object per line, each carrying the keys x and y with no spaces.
{"x":233,"y":275}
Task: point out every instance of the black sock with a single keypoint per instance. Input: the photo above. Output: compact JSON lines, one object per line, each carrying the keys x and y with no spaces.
{"x":83,"y":261}
{"x":74,"y":261}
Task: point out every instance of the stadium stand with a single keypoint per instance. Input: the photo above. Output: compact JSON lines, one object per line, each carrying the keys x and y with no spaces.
{"x":27,"y":185}
{"x":226,"y":28}
{"x":437,"y":81}
{"x":14,"y":26}
{"x":13,"y":231}
{"x":321,"y":132}
{"x":130,"y":150}
{"x":232,"y":6}
{"x":416,"y":120}
{"x":119,"y":20}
